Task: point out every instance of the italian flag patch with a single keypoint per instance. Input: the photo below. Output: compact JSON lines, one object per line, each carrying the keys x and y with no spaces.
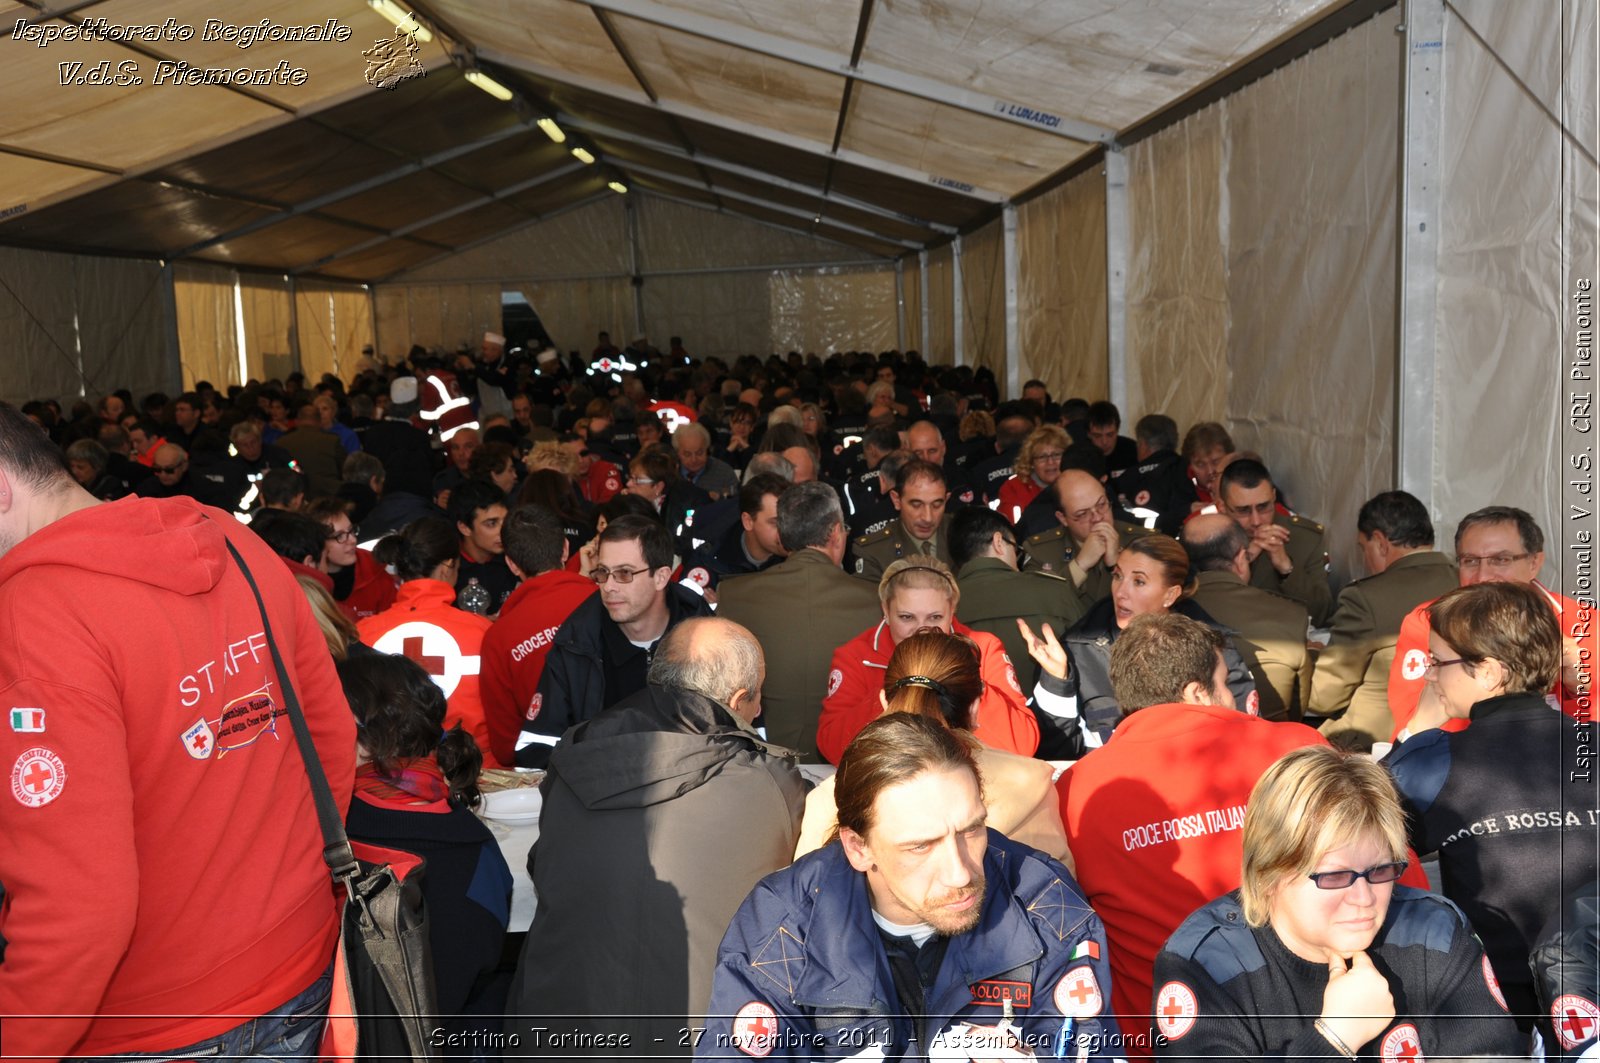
{"x":1086,"y":950}
{"x":27,"y":721}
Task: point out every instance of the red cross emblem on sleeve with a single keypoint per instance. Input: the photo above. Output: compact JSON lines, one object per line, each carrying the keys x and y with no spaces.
{"x":1176,"y":1010}
{"x":38,"y":777}
{"x":1576,"y":1020}
{"x":1077,"y":995}
{"x":755,"y":1029}
{"x":434,"y":648}
{"x":1402,"y":1045}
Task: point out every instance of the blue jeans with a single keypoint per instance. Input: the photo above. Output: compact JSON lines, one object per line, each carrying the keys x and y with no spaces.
{"x":293,"y":1031}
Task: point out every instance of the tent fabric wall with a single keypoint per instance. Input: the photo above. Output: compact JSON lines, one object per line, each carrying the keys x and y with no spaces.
{"x":830,"y":310}
{"x":268,"y":324}
{"x":983,"y":291}
{"x":721,"y":314}
{"x":1504,"y":290}
{"x":575,"y":312}
{"x":1262,"y":274}
{"x":676,"y":236}
{"x":77,"y":326}
{"x":1061,"y":240}
{"x":940,"y":339}
{"x":911,"y":297}
{"x":208,"y":325}
{"x":435,"y":315}
{"x":585,"y":241}
{"x":334,"y":322}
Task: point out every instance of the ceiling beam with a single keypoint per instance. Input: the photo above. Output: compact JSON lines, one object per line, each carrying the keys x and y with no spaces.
{"x":661,"y":147}
{"x":387,"y":177}
{"x":767,"y":204}
{"x":444,"y":215}
{"x":492,"y":237}
{"x":668,"y":110}
{"x":764,"y":223}
{"x":789,"y":50}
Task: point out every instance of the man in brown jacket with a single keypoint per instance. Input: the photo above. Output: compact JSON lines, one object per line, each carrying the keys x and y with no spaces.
{"x":1271,"y":628}
{"x":800,"y":612}
{"x":1350,"y":690}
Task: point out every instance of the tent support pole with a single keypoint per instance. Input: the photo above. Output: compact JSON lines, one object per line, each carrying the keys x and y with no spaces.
{"x":635,"y":279}
{"x":1013,"y":269}
{"x":169,"y":293}
{"x":958,"y":316}
{"x":922,"y":282}
{"x":1422,"y":84}
{"x":900,"y":304}
{"x":294,"y":326}
{"x":1117,"y":276}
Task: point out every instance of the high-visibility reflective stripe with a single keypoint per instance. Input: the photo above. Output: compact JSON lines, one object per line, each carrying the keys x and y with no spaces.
{"x":528,"y":738}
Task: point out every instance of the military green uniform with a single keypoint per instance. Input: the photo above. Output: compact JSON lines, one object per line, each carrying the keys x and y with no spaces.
{"x":800,"y":611}
{"x":1352,"y":680}
{"x":994,"y":595}
{"x":876,"y":552}
{"x":1307,"y":581}
{"x":1271,"y":638}
{"x":1049,"y":551}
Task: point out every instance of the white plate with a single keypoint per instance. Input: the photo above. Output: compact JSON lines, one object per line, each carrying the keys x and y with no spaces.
{"x":516,"y":807}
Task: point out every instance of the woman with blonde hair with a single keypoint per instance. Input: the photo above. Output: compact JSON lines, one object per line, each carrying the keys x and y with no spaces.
{"x":1320,"y":954}
{"x":937,"y":675}
{"x":1038,"y":467}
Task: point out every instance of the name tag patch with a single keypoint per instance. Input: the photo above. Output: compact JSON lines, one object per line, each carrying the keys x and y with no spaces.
{"x":995,"y":993}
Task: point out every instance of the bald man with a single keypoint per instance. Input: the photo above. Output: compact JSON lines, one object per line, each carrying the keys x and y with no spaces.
{"x":170,"y":476}
{"x":1084,"y":545}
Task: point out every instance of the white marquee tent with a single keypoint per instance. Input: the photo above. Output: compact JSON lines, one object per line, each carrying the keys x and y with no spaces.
{"x":1356,"y":232}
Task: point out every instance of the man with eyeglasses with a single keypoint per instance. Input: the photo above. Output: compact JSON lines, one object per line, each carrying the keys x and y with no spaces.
{"x":983,"y":547}
{"x":1496,"y":544}
{"x":1083,"y":548}
{"x":1286,"y":552}
{"x":603,"y":651}
{"x":170,"y":476}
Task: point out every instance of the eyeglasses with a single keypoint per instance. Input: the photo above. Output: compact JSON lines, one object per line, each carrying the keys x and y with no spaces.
{"x":1496,"y":562}
{"x":168,"y":470}
{"x":1047,"y":456}
{"x":1343,"y":880}
{"x":643,"y":481}
{"x":1435,"y":664}
{"x":621,"y":575}
{"x":349,"y":535}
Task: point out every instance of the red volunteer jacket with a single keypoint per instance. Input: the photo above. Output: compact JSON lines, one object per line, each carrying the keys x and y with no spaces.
{"x":515,"y":648}
{"x":1015,"y":494}
{"x":1411,"y":661}
{"x":1004,"y":720}
{"x":161,"y":856}
{"x":446,"y":641}
{"x":601,"y":483}
{"x":1155,"y":821}
{"x":374,"y":589}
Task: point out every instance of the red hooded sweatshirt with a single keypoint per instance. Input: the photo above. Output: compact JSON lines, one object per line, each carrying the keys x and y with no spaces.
{"x":161,"y":857}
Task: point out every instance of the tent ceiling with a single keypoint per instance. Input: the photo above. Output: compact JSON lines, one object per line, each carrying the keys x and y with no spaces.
{"x":886,"y":125}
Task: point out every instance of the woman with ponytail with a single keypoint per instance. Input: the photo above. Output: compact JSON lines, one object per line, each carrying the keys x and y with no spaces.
{"x":425,"y":626}
{"x":416,"y":784}
{"x":937,"y":675}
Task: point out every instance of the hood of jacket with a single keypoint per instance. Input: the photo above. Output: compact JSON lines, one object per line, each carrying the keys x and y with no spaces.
{"x":170,"y":543}
{"x":654,"y":746}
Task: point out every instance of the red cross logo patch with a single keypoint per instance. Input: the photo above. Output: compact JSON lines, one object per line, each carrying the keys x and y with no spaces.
{"x":1077,"y":995}
{"x":432,"y":647}
{"x":199,"y":740}
{"x":755,"y":1029}
{"x":1575,"y":1018}
{"x":699,"y":576}
{"x":37,"y":777}
{"x":1414,"y":664}
{"x":1176,"y":1010}
{"x":1402,"y":1045}
{"x":835,"y":677}
{"x":1494,"y":984}
{"x":535,"y":703}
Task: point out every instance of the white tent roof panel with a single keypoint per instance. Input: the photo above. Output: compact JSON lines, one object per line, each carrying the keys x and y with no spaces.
{"x":556,"y":34}
{"x":829,"y":24}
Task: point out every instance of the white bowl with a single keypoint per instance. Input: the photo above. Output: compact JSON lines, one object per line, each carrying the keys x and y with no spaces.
{"x":516,"y":807}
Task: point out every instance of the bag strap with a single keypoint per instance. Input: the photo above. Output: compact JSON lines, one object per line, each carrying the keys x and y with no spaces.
{"x":336,"y":851}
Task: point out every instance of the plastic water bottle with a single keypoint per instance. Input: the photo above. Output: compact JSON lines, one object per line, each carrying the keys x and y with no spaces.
{"x":474,"y":598}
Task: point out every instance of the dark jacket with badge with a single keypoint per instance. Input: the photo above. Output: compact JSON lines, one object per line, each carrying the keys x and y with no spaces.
{"x":1226,"y":991}
{"x":1307,"y":581}
{"x":876,"y":552}
{"x":667,"y":801}
{"x":1088,"y":647}
{"x":573,"y":686}
{"x":1163,"y":481}
{"x":1515,"y":831}
{"x":803,"y":974}
{"x":713,"y":562}
{"x":1566,"y":971}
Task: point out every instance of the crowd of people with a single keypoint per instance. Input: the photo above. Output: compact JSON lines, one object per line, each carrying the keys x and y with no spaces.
{"x":1117,"y":770}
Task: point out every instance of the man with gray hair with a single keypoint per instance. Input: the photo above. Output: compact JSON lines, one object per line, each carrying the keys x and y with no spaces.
{"x":808,"y":593}
{"x":712,"y":475}
{"x":668,"y":799}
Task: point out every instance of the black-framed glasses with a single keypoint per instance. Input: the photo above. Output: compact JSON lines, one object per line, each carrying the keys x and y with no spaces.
{"x":168,"y":470}
{"x":349,"y":535}
{"x":1378,"y":874}
{"x":621,"y":575}
{"x":1434,"y":664}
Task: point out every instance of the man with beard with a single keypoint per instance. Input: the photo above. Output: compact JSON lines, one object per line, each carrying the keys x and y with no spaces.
{"x":917,"y":932}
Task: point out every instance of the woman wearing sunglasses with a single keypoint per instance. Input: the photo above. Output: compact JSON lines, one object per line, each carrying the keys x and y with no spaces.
{"x":1509,"y":802}
{"x":1320,"y":954}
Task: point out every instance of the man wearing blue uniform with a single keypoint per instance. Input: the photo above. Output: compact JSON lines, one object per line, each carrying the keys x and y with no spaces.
{"x":918,"y":933}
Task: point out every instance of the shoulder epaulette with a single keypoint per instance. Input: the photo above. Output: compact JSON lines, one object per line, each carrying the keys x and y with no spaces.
{"x":1046,"y":536}
{"x":1306,"y":522}
{"x":873,"y":537}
